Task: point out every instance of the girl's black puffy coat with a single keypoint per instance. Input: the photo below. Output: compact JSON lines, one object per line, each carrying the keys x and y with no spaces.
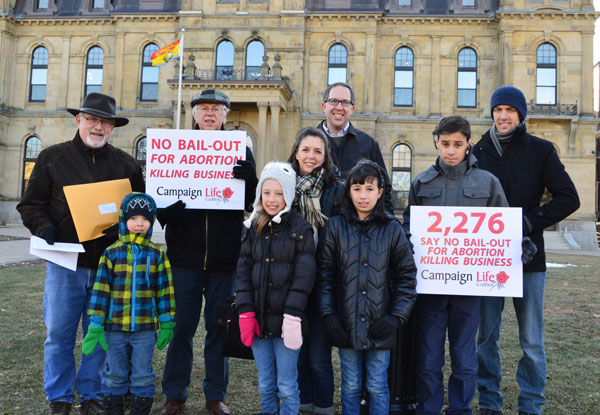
{"x":276,"y":272}
{"x":366,"y":271}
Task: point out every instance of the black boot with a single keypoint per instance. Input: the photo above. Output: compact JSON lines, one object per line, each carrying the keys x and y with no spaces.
{"x":114,"y":405}
{"x":141,"y":406}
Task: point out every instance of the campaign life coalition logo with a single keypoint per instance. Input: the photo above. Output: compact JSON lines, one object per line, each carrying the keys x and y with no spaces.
{"x":215,"y":194}
{"x":497,"y":281}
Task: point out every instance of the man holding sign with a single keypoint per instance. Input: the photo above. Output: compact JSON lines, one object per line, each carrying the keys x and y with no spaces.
{"x":88,"y":158}
{"x":203,"y":246}
{"x":526,"y":166}
{"x":454,"y":180}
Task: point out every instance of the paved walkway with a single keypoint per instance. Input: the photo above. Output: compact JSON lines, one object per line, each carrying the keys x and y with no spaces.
{"x":14,"y":244}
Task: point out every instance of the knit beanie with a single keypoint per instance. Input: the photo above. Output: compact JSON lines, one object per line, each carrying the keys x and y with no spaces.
{"x":140,"y":204}
{"x":286,"y":176}
{"x":509,"y":95}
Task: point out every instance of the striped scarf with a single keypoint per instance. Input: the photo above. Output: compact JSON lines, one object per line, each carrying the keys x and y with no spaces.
{"x":308,"y":192}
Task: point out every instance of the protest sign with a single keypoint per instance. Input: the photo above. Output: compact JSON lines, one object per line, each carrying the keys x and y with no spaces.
{"x":195,"y":166}
{"x":467,"y":250}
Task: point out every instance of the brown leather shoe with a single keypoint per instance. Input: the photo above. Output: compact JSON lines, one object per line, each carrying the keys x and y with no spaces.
{"x":173,"y":407}
{"x":217,"y":408}
{"x":59,"y":408}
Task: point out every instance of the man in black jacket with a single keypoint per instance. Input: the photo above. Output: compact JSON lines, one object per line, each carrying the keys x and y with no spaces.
{"x":349,"y":144}
{"x":526,"y":166}
{"x":88,"y":158}
{"x":203,"y":247}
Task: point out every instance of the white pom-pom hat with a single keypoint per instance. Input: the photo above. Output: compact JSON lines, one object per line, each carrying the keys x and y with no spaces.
{"x":286,"y":176}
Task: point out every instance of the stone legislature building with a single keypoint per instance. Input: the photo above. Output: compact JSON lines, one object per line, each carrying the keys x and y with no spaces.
{"x":410,"y":62}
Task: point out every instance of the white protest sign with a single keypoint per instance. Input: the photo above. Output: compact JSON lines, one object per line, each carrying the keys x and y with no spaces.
{"x":467,"y":250}
{"x":195,"y":166}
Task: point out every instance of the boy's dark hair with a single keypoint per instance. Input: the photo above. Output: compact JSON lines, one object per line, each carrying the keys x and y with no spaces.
{"x":328,"y":175}
{"x":366,"y":171}
{"x":329,"y":87}
{"x":454,"y":124}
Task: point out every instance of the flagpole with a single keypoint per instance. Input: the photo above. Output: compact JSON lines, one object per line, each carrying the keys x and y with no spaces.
{"x":180,"y":76}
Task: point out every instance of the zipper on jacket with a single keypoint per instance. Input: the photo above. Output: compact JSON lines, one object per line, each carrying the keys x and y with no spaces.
{"x":133,"y":283}
{"x":205,"y":240}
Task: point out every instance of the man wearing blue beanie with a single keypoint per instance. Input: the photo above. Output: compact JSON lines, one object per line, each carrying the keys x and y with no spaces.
{"x":526,"y":166}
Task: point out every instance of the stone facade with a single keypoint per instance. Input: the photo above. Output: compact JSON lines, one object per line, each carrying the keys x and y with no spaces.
{"x":297,"y":36}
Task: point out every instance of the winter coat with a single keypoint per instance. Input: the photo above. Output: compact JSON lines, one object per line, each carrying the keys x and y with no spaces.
{"x":528,"y":166}
{"x":208,"y":239}
{"x":44,"y":204}
{"x":365,"y":272}
{"x":357,"y":145}
{"x":133,"y":290}
{"x":275,"y":272}
{"x":461,"y":185}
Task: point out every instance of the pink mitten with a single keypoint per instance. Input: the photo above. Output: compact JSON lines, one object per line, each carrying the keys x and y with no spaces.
{"x":248,"y":326}
{"x":291,"y":331}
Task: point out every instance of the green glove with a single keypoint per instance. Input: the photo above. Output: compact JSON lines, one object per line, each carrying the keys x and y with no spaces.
{"x":94,"y":336}
{"x":165,"y":334}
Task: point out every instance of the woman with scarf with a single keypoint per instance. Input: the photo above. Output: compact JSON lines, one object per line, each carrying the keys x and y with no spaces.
{"x":318,"y":188}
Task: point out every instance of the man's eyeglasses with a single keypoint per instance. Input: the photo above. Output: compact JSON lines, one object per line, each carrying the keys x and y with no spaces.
{"x":214,"y":110}
{"x":94,"y":121}
{"x":345,"y":102}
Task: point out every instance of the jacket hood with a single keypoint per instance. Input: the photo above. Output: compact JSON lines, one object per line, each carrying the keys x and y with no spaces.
{"x":135,"y":238}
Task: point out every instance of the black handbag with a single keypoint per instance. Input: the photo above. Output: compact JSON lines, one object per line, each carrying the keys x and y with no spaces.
{"x":228,"y":326}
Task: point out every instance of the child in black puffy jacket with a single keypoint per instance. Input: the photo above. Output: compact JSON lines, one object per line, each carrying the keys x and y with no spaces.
{"x":275,"y":275}
{"x":366,"y":278}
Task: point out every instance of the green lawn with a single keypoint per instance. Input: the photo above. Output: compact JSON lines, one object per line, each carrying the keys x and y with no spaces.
{"x":572,"y":344}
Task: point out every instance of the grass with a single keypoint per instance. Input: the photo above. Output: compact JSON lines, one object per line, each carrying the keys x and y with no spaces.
{"x":572,"y":344}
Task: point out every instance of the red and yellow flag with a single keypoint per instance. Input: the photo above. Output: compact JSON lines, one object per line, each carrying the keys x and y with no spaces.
{"x":164,"y":55}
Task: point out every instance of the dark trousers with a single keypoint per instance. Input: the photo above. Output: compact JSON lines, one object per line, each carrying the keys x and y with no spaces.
{"x":436,"y":314}
{"x":190,"y":288}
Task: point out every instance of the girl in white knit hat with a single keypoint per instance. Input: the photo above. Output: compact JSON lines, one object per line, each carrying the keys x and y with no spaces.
{"x":275,"y":275}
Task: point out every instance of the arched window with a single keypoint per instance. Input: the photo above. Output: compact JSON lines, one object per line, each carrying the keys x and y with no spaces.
{"x":94,"y":70}
{"x":149,"y":87}
{"x":545,"y":93}
{"x":401,"y":177}
{"x":403,"y":77}
{"x":338,"y":64}
{"x":39,"y":75}
{"x":224,"y":69}
{"x":466,"y":95}
{"x":140,"y":153}
{"x":254,"y":54}
{"x":33,"y":146}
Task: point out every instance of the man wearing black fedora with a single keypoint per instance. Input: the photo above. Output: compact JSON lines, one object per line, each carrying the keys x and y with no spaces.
{"x":87,"y":158}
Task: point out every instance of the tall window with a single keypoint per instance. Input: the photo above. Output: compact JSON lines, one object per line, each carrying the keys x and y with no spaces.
{"x":468,"y":3}
{"x":404,"y":3}
{"x":33,"y":146}
{"x":254,"y":54}
{"x":224,"y":69}
{"x":140,"y":153}
{"x":338,"y":64}
{"x":39,"y":75}
{"x":97,"y":4}
{"x":546,"y":75}
{"x":403,"y":77}
{"x":401,"y":164}
{"x":94,"y":70}
{"x":42,"y":4}
{"x":149,"y":88}
{"x":467,"y":78}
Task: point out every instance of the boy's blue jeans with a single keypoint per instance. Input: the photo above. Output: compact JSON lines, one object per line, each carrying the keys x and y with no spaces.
{"x":315,"y":368}
{"x":376,"y":363}
{"x":66,"y":300}
{"x":459,"y":316}
{"x":277,"y":376}
{"x":116,"y":374}
{"x":531,"y":371}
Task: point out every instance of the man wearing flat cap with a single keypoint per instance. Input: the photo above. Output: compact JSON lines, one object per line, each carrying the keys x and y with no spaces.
{"x":203,"y":246}
{"x":526,"y":166}
{"x":88,"y":158}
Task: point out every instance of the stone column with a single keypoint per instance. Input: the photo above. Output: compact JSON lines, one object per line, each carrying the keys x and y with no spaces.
{"x":587,"y":74}
{"x":189,"y":116}
{"x":119,"y":69}
{"x":261,"y":140}
{"x":434,"y":107}
{"x":506,"y":58}
{"x":370,"y":73}
{"x":275,"y":108}
{"x":64,"y":72}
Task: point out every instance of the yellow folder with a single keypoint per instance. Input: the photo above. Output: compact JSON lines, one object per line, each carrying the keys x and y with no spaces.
{"x":95,"y":206}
